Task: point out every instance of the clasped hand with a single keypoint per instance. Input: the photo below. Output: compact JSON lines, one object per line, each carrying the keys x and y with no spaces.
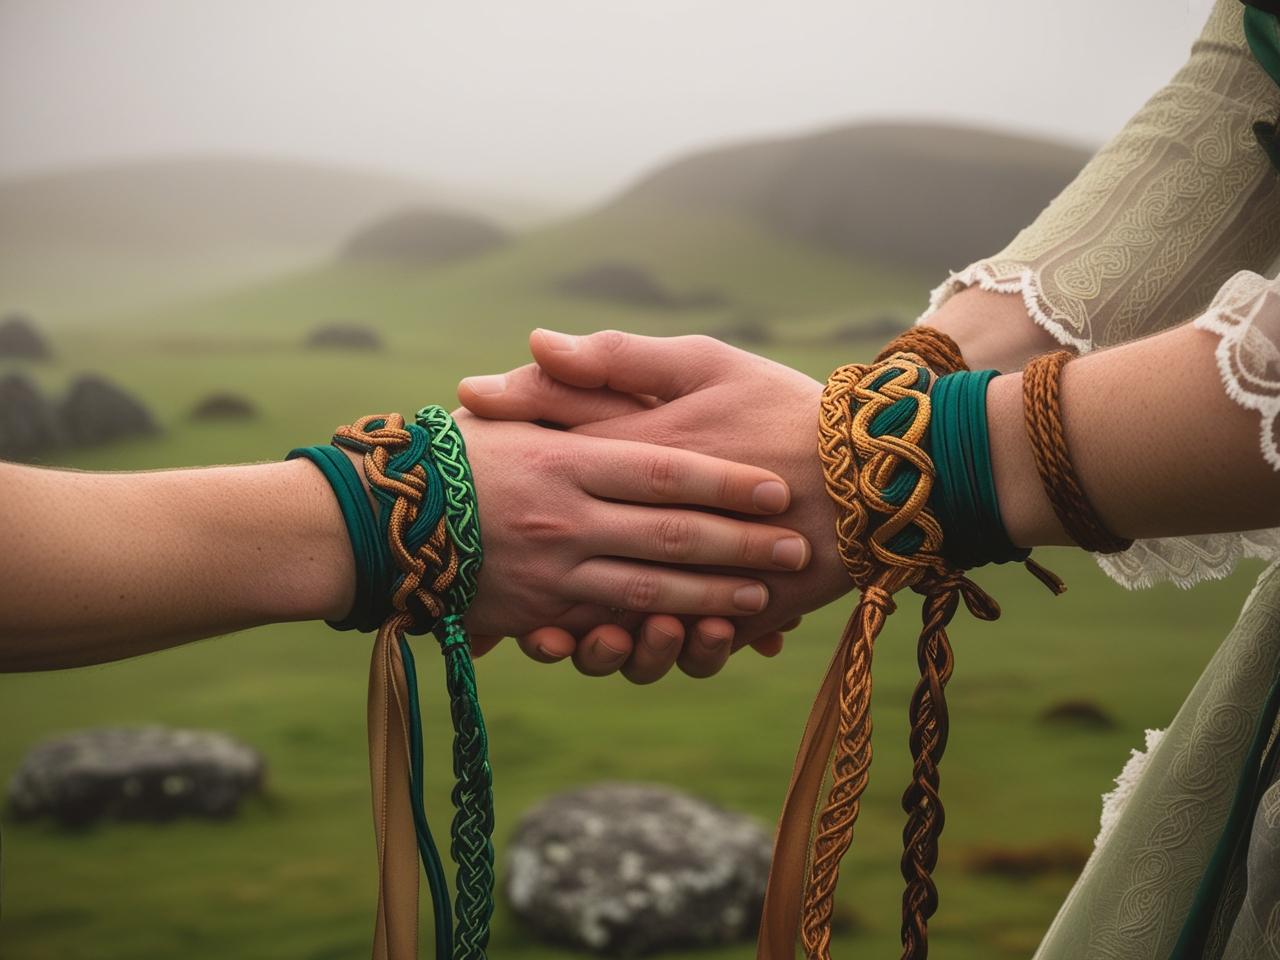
{"x":599,"y":539}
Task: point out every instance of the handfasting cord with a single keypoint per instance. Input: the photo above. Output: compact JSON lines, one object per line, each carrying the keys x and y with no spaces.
{"x":880,"y":461}
{"x":1042,"y":412}
{"x":427,"y":520}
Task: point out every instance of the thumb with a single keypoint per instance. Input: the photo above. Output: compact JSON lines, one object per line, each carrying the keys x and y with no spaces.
{"x":663,"y":367}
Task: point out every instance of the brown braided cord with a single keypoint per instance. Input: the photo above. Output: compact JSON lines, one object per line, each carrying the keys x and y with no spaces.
{"x":939,"y":352}
{"x":858,"y":468}
{"x":1042,"y":413}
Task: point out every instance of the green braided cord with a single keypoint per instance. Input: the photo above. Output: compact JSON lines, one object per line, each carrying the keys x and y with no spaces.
{"x":450,"y":452}
{"x":471,"y":837}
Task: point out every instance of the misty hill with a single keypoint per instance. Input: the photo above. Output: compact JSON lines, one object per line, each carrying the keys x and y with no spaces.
{"x":928,"y":196}
{"x":137,"y":233}
{"x":423,"y":237}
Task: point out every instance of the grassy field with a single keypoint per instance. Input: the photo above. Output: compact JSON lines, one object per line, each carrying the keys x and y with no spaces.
{"x":293,"y":877}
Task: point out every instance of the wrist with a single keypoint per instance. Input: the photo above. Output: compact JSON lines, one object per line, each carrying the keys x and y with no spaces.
{"x":992,"y":329}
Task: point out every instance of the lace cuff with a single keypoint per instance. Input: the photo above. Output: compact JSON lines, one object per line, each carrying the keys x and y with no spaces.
{"x":1179,"y":200}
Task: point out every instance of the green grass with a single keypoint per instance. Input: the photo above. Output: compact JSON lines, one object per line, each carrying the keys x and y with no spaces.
{"x":294,"y":876}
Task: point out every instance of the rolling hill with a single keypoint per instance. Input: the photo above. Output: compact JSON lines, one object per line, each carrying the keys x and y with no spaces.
{"x":928,"y":196}
{"x":129,"y":235}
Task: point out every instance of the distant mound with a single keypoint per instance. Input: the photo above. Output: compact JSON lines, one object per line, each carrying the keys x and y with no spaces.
{"x":140,"y":233}
{"x":345,"y":336}
{"x":28,"y":425}
{"x":97,"y":411}
{"x":423,"y":237}
{"x":631,"y":285}
{"x":20,"y":340}
{"x":224,"y":406}
{"x":928,"y":196}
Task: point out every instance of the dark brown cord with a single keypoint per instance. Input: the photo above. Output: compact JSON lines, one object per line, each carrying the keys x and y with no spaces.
{"x":1042,"y":412}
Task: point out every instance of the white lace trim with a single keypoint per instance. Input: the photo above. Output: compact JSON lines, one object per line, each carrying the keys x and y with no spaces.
{"x":1114,"y":801}
{"x":1026,"y":284}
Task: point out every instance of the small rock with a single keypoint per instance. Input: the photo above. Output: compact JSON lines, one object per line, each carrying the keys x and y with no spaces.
{"x":634,"y":286}
{"x":28,"y":425}
{"x":97,"y":411}
{"x":143,"y":773}
{"x":1034,"y":860}
{"x":20,"y":339}
{"x":1080,"y":713}
{"x":345,"y":336}
{"x":224,"y":406}
{"x":629,"y":869}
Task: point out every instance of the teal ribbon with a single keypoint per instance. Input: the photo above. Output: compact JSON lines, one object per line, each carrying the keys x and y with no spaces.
{"x":964,"y":489}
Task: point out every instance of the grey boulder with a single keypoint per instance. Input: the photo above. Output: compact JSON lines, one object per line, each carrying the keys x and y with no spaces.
{"x":142,"y":773}
{"x":623,"y":870}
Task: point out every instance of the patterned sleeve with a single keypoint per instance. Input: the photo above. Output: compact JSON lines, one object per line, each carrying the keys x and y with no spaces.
{"x":1182,"y":198}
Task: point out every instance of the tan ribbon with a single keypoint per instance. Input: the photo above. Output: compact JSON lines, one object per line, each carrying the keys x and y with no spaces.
{"x":396,"y":934}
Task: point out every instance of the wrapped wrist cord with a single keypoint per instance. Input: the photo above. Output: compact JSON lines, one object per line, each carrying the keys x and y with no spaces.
{"x":416,"y":568}
{"x":906,"y":457}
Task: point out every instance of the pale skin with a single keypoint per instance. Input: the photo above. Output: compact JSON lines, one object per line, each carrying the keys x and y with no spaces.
{"x":1148,"y":425}
{"x":102,"y":566}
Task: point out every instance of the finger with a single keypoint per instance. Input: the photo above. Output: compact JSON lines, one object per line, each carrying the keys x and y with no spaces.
{"x":706,"y":651}
{"x":790,"y":625}
{"x":603,"y":650}
{"x":548,"y":644}
{"x":482,"y":645}
{"x":646,"y":473}
{"x":664,"y":367}
{"x":652,"y":589}
{"x":693,"y":537}
{"x":770,"y":645}
{"x":530,"y":393}
{"x":656,"y":649}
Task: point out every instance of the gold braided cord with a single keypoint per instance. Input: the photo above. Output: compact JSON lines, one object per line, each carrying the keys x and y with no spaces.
{"x":888,"y":539}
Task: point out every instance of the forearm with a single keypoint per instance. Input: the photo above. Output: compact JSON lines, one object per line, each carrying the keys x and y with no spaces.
{"x":993,"y":330}
{"x":101,"y":566}
{"x":1159,"y":447}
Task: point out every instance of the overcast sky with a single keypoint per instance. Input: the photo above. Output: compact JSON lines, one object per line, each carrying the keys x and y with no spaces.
{"x":554,"y":99}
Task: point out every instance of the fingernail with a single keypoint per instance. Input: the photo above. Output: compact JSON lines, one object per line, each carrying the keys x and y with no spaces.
{"x":617,"y":653}
{"x":546,"y":655}
{"x":770,"y":497}
{"x":711,"y":642}
{"x":660,"y":639}
{"x":791,"y":553}
{"x":751,"y":598}
{"x":486,"y":386}
{"x":558,"y":341}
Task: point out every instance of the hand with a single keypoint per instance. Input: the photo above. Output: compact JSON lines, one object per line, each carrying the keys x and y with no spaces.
{"x":694,"y":393}
{"x":565,"y":543}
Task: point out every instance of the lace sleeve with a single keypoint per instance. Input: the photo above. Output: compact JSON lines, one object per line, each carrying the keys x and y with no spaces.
{"x":1245,"y":316}
{"x":1178,"y":201}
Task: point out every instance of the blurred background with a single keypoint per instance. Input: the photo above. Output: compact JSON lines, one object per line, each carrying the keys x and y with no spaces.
{"x":227,"y":227}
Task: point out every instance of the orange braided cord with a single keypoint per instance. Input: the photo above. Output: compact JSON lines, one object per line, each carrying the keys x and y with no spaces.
{"x":858,"y":467}
{"x":428,"y":573}
{"x":1042,"y":413}
{"x":939,"y":352}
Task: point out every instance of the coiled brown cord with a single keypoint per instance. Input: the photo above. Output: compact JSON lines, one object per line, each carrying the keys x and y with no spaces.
{"x":939,"y":352}
{"x":1042,"y":413}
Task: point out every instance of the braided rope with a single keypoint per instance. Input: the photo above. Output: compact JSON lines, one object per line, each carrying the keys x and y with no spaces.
{"x":1042,"y":412}
{"x":435,"y":585}
{"x":873,"y":430}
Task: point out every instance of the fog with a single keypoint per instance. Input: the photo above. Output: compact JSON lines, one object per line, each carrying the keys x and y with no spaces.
{"x":552,"y":99}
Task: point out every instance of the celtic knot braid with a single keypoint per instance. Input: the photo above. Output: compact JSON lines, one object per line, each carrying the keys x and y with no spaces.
{"x":874,"y":444}
{"x":420,"y":475}
{"x":939,"y":352}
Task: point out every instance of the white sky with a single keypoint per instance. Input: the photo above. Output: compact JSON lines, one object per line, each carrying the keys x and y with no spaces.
{"x":554,"y":99}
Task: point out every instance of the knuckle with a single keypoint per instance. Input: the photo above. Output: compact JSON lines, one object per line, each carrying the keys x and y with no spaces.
{"x":749,"y":545}
{"x":611,"y":341}
{"x":641,"y":591}
{"x":546,"y":528}
{"x":677,"y":537}
{"x":662,"y":476}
